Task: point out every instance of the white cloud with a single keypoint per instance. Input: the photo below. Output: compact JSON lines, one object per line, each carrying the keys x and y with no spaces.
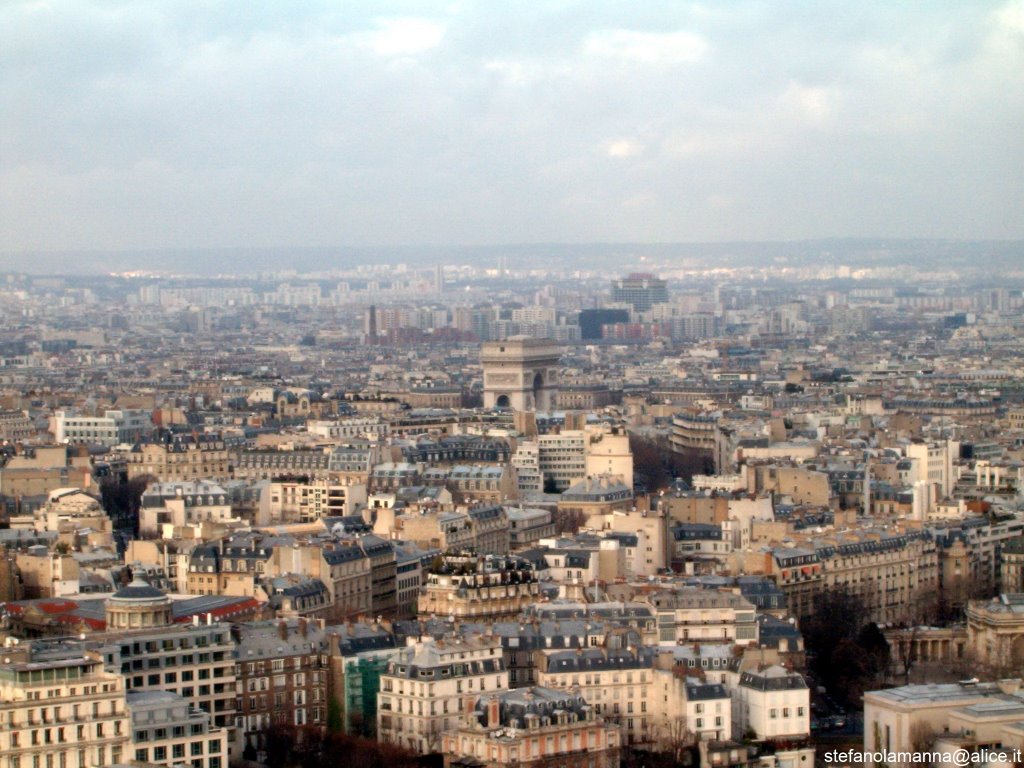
{"x":660,"y":48}
{"x":1011,"y":17}
{"x":699,"y":143}
{"x":401,"y":36}
{"x":814,"y":105}
{"x":623,"y":148}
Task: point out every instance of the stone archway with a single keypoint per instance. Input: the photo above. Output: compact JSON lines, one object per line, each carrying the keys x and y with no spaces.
{"x":502,"y":401}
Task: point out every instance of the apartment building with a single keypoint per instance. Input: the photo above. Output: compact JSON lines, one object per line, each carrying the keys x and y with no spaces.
{"x":617,"y":683}
{"x":182,"y":503}
{"x":344,"y":569}
{"x":596,"y":495}
{"x":168,"y":556}
{"x":528,"y":526}
{"x":693,"y":429}
{"x":383,"y":573}
{"x":233,"y":565}
{"x":194,"y":661}
{"x":185,"y":458}
{"x":685,"y":704}
{"x":490,"y":528}
{"x":649,"y":526}
{"x":488,"y":484}
{"x":772,"y":702}
{"x":484,"y":529}
{"x":15,"y":426}
{"x":933,"y":462}
{"x":167,"y":730}
{"x":65,"y":713}
{"x":425,"y":687}
{"x":526,"y":462}
{"x":293,"y":501}
{"x":281,"y":677}
{"x":563,"y":459}
{"x":696,"y":615}
{"x":493,"y":590}
{"x":38,"y":471}
{"x":535,"y":727}
{"x":112,"y":428}
{"x":895,"y":574}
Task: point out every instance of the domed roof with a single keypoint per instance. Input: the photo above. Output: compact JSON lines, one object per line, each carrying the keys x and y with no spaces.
{"x":139,"y":589}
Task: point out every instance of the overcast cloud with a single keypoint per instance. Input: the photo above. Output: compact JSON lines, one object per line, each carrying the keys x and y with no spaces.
{"x":177,"y":124}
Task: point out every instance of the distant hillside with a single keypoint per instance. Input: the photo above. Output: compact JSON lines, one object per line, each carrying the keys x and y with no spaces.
{"x":989,"y":256}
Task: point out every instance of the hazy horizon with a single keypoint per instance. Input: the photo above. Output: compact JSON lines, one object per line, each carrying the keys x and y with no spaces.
{"x":966,"y":256}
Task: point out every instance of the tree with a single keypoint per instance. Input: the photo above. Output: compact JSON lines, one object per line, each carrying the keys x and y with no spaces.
{"x":904,"y":649}
{"x":279,"y":744}
{"x":568,"y":520}
{"x":123,"y":500}
{"x":871,"y":639}
{"x":679,"y":739}
{"x":846,"y":654}
{"x":922,"y":739}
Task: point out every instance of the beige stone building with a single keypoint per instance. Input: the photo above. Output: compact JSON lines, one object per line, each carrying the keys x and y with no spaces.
{"x":943,"y":717}
{"x":38,"y":471}
{"x":535,"y":727}
{"x":802,"y":485}
{"x":345,"y":570}
{"x":168,"y":731}
{"x":182,"y":460}
{"x":67,"y":712}
{"x":894,"y":572}
{"x":484,"y":529}
{"x":1012,"y":573}
{"x":616,"y":682}
{"x":598,"y":495}
{"x":467,"y":590}
{"x":608,"y":453}
{"x":183,"y":503}
{"x":47,"y":574}
{"x":995,"y":632}
{"x":426,"y":687}
{"x":15,"y":426}
{"x":650,"y":525}
{"x":484,"y":484}
{"x":301,"y":502}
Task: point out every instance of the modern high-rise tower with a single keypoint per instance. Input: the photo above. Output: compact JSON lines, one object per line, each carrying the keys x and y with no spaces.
{"x":640,"y":290}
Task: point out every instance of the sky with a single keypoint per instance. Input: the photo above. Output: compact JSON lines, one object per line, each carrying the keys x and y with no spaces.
{"x":149,"y":124}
